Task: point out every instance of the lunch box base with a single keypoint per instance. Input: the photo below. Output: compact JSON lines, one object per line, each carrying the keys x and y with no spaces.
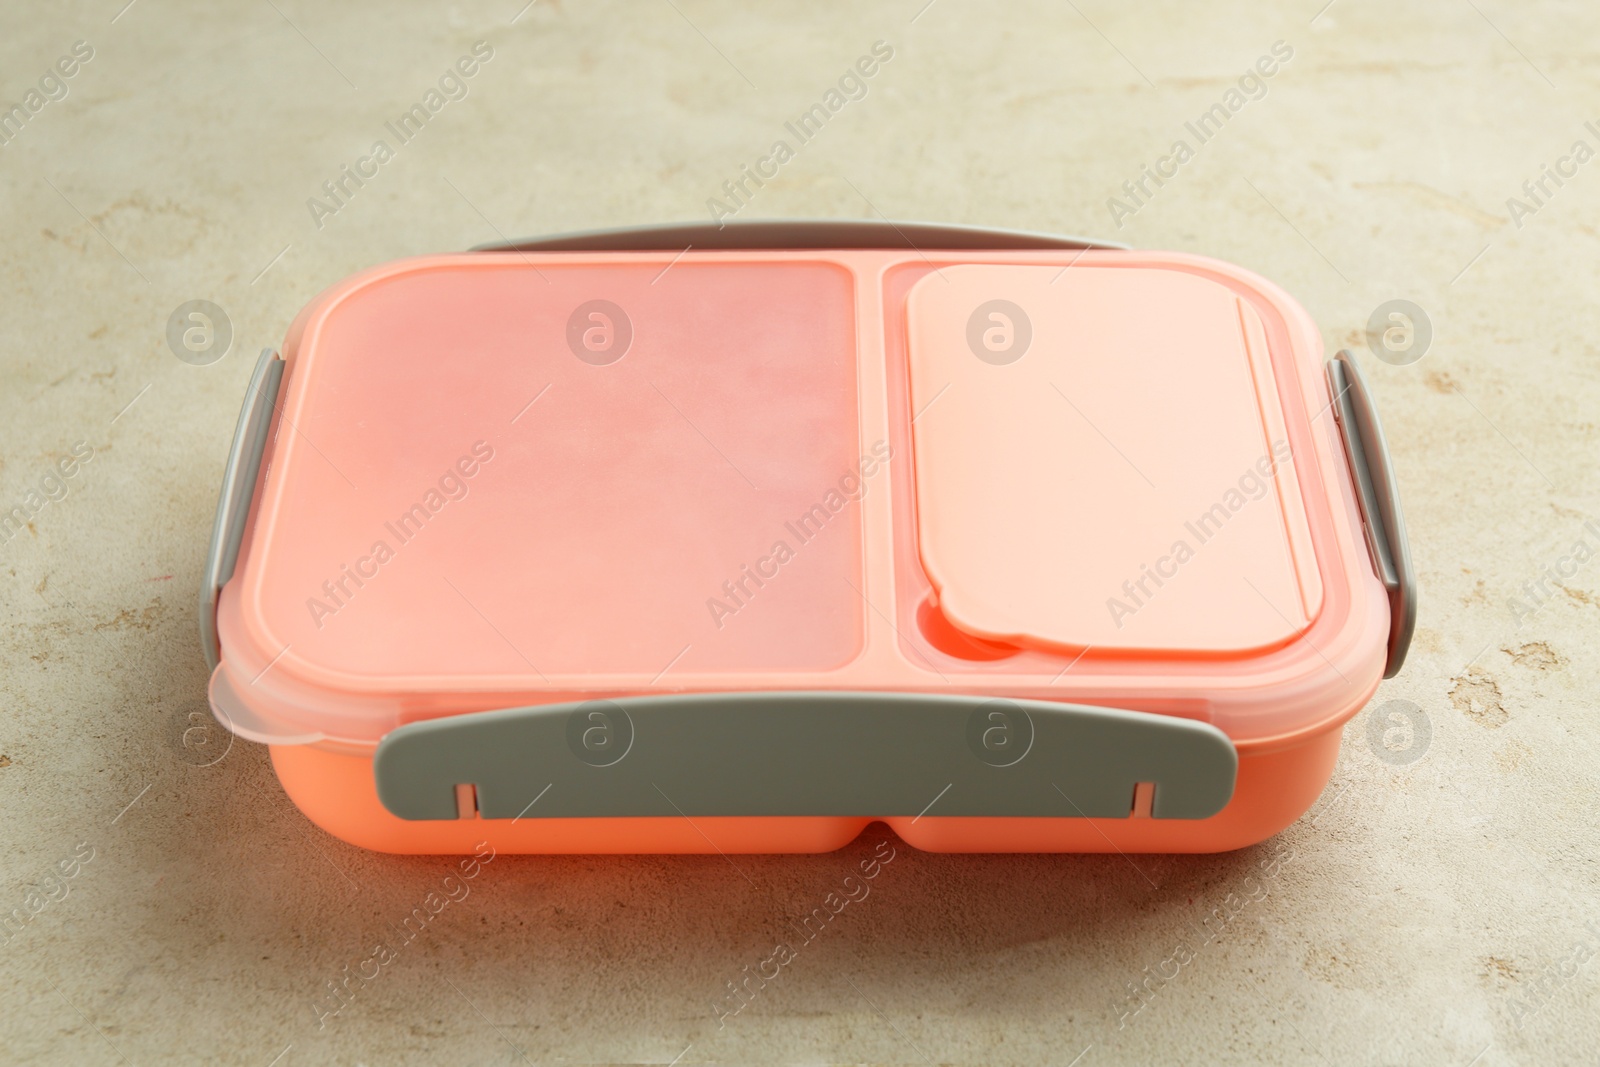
{"x":338,"y":792}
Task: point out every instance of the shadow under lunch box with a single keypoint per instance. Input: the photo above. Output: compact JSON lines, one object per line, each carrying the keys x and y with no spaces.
{"x":681,"y":539}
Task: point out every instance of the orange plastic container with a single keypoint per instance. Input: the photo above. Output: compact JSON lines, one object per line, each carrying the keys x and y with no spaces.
{"x":598,"y":544}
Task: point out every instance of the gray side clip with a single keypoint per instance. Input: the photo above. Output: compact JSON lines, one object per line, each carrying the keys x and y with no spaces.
{"x":795,"y":233}
{"x":1379,"y":494}
{"x":238,"y":486}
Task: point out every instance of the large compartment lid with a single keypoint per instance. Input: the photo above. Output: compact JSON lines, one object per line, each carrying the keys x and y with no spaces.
{"x":1101,"y":461}
{"x":499,"y":472}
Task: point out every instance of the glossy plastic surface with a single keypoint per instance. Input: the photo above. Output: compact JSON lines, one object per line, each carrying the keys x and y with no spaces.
{"x":508,"y":479}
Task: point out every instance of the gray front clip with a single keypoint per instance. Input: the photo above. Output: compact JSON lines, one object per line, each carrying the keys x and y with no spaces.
{"x":805,"y":753}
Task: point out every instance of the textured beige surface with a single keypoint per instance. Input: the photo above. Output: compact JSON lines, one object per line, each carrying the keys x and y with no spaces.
{"x":1429,"y":911}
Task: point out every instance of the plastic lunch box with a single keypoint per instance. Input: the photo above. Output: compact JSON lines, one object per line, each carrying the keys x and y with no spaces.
{"x":681,"y":539}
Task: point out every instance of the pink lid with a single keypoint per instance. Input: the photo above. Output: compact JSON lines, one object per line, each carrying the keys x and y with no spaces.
{"x":1102,"y":462}
{"x":516,"y":478}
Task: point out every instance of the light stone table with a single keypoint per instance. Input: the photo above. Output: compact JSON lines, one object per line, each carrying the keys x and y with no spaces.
{"x":1438,"y":905}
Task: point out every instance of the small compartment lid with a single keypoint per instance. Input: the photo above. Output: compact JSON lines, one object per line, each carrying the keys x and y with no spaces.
{"x":1102,"y":462}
